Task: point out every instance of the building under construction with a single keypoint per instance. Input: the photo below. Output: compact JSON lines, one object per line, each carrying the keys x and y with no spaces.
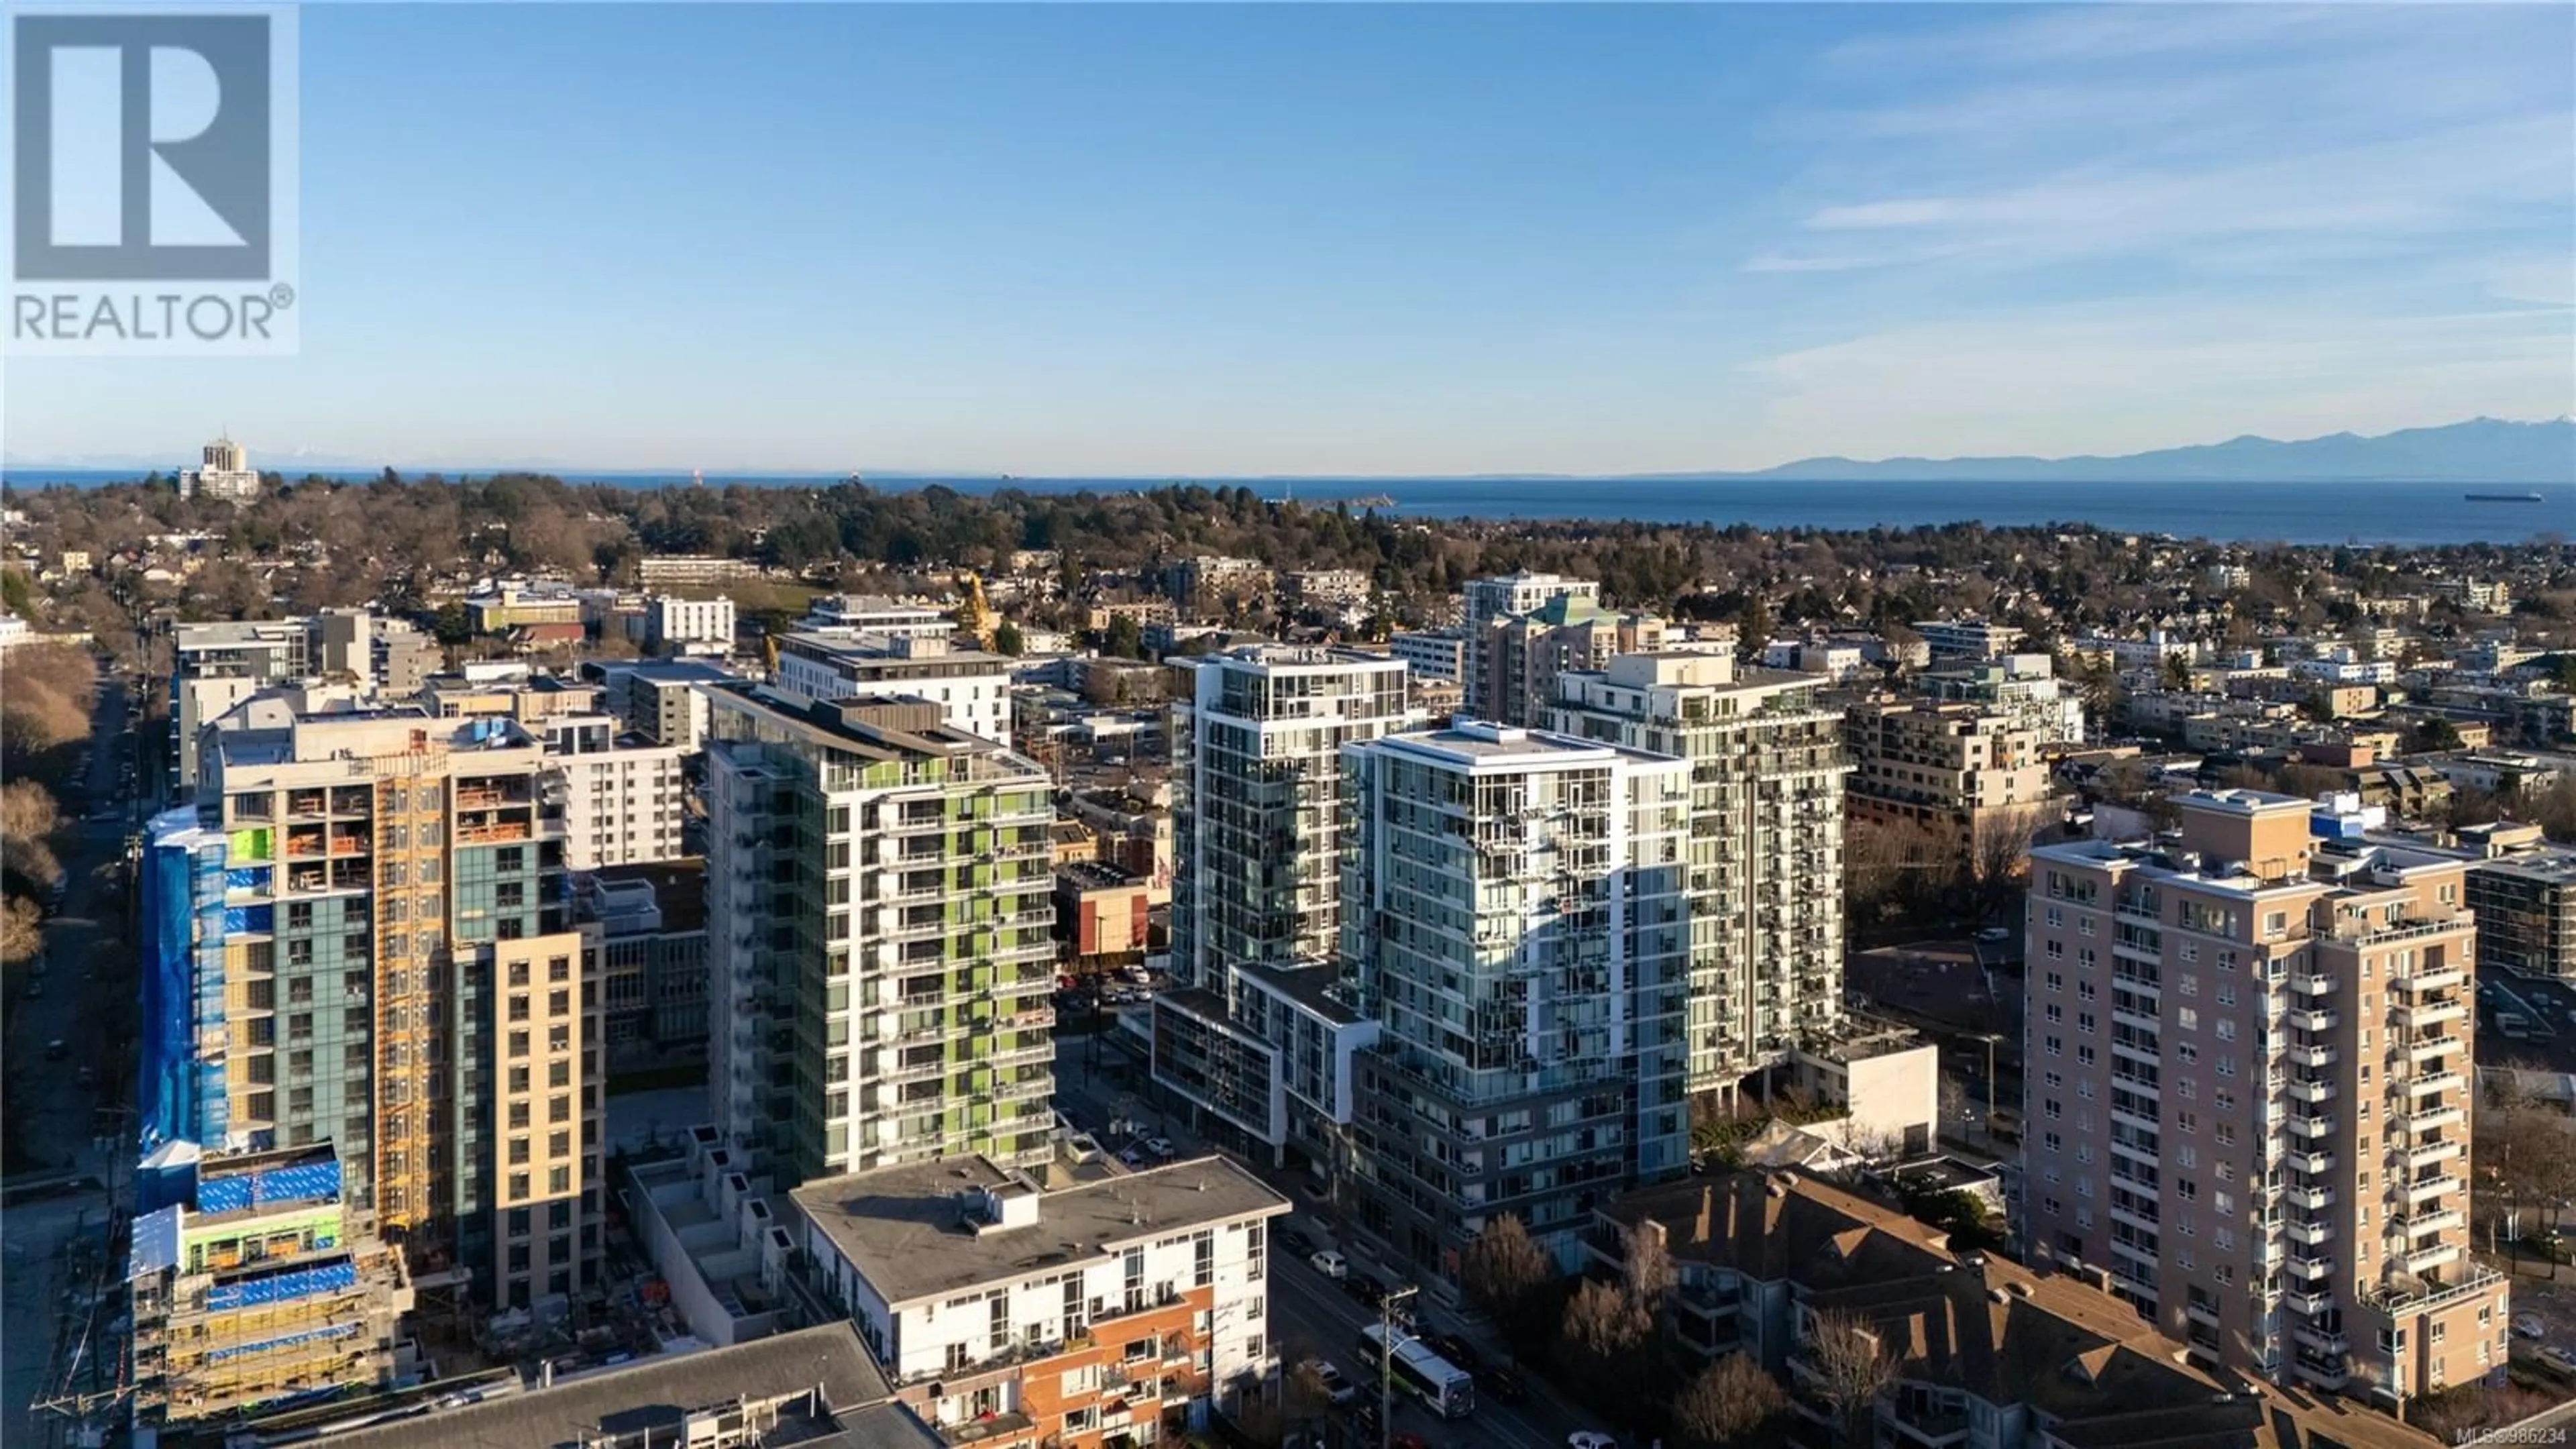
{"x":253,"y":1290}
{"x":360,"y":936}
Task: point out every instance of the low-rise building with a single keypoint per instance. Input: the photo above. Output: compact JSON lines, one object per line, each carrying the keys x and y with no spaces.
{"x":1978,"y":1352}
{"x":1431,"y":653}
{"x":1117,"y":1309}
{"x":876,"y":615}
{"x":815,"y":1387}
{"x":1955,"y":769}
{"x":672,"y":623}
{"x":647,"y":927}
{"x":1966,"y":638}
{"x":971,"y":687}
{"x":2526,"y":909}
{"x":252,"y":1282}
{"x":1100,"y":915}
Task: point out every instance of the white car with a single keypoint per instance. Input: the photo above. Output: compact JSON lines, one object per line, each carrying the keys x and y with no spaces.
{"x":1590,"y":1439}
{"x":1158,"y":1146}
{"x":1331,"y":1264}
{"x":1337,"y":1388}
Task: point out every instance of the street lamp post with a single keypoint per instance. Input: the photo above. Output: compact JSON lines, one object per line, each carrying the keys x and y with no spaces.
{"x":1386,"y":1364}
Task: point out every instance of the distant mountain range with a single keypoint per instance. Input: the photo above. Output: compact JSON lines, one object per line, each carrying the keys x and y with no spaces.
{"x":2482,"y":450}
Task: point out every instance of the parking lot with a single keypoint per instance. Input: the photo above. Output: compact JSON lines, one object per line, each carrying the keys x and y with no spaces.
{"x":2547,"y":1030}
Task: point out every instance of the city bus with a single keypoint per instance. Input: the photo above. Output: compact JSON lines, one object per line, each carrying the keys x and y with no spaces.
{"x":1445,"y":1387}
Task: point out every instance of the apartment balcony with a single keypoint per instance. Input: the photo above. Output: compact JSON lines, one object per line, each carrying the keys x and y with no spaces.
{"x":2423,"y":1014}
{"x":2312,"y":1163}
{"x":2423,"y":1048}
{"x":2328,"y":1374}
{"x":2362,"y":931}
{"x":2308,"y":1195}
{"x":2201,"y":1313}
{"x":2437,"y":1220}
{"x":2428,"y":1258}
{"x":2435,"y":1118}
{"x":2428,"y":981}
{"x":2307,"y":1233}
{"x":2323,"y":1341}
{"x":2316,"y":1127}
{"x":2432,"y":1082}
{"x":975,"y":1431}
{"x":2313,"y":1019}
{"x":2307,"y":1300}
{"x":2311,"y":1056}
{"x":2133,"y":1221}
{"x":2420,"y":1298}
{"x":2307,"y":1269}
{"x":2425,"y":1189}
{"x":2428,"y":1154}
{"x":1931,"y":1428}
{"x":2311,"y":1092}
{"x":2309,"y":983}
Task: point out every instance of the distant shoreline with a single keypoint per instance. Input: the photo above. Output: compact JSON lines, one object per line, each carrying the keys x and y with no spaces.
{"x":2360,"y":512}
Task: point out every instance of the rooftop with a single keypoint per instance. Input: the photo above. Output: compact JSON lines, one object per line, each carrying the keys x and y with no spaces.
{"x":1474,"y":742}
{"x":1318,"y":987}
{"x":876,"y":729}
{"x":659,"y":1391}
{"x":1094,"y":875}
{"x":905,"y":1229}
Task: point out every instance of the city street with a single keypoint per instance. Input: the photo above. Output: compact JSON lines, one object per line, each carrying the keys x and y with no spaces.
{"x":1309,"y":1313}
{"x":67,"y":1110}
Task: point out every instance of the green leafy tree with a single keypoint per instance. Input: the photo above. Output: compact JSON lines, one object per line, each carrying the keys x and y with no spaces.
{"x":1124,"y":639}
{"x":1007,"y":640}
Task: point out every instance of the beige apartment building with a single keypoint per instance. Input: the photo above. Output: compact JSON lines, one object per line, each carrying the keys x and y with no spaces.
{"x":1950,"y":768}
{"x":2248,"y":1068}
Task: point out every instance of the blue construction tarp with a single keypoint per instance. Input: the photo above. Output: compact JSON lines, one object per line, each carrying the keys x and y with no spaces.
{"x":241,"y":919}
{"x":167,"y":1059}
{"x":246,"y":878}
{"x":281,"y":1287}
{"x":271,"y":1345}
{"x":305,"y":1182}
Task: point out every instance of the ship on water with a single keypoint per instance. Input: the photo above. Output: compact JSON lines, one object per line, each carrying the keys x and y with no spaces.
{"x":2505,"y":498}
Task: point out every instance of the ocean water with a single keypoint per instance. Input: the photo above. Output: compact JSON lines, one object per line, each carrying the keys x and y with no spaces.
{"x":2308,"y":513}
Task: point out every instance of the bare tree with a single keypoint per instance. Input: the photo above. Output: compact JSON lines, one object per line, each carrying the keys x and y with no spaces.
{"x":22,"y":929}
{"x":1649,"y":1275}
{"x":1999,"y":850}
{"x":1851,"y":1371}
{"x":1727,"y":1403}
{"x":27,"y":819}
{"x":1606,"y":1345}
{"x":1503,"y":1272}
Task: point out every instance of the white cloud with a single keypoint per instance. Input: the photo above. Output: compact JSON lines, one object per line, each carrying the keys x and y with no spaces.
{"x":2121,"y":377}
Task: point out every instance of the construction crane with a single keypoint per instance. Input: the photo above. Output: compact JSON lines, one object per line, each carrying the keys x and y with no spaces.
{"x":975,"y":616}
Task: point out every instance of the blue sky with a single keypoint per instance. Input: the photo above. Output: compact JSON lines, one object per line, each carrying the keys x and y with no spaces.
{"x":1181,"y":239}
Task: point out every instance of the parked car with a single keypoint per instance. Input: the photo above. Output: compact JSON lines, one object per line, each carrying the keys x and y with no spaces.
{"x":1159,"y":1147}
{"x":1366,"y":1289}
{"x":1503,"y":1384}
{"x":1407,"y":1441}
{"x":56,"y":1050}
{"x":1590,"y":1439}
{"x":1297,"y":1242}
{"x":2559,"y":1358}
{"x":1330,"y":1264}
{"x":2528,"y":1325}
